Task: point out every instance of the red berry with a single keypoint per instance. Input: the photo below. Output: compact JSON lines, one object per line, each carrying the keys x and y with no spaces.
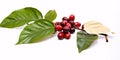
{"x":57,"y":23}
{"x":77,"y":24}
{"x":68,"y":24}
{"x":64,"y":22}
{"x":64,"y":18}
{"x":72,"y":30}
{"x":58,"y":27}
{"x":72,"y":22}
{"x":60,"y":35}
{"x":66,"y":29}
{"x":67,"y":35}
{"x":71,"y":17}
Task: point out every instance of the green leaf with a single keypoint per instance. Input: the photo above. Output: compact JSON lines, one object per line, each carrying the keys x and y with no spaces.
{"x":20,"y":17}
{"x":36,"y":32}
{"x":51,"y":15}
{"x":84,"y":40}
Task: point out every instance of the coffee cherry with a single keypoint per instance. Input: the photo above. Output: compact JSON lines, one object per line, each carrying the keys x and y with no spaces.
{"x":72,"y":30}
{"x":72,"y":23}
{"x":68,"y":24}
{"x":57,"y":23}
{"x":64,"y":18}
{"x":66,"y":29}
{"x":60,"y":35}
{"x":64,"y":22}
{"x":67,"y":35}
{"x":58,"y":27}
{"x":77,"y":24}
{"x":71,"y":17}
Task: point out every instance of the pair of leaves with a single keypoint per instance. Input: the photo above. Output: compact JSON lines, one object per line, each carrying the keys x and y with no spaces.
{"x":85,"y":40}
{"x":34,"y":32}
{"x":23,"y":16}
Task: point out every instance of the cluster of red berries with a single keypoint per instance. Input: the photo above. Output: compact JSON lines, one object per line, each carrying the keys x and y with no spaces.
{"x":66,"y":27}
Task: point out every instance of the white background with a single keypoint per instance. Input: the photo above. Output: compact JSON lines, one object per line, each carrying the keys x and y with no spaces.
{"x":105,"y":11}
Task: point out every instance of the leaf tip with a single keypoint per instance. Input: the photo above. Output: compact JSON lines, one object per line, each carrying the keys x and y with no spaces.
{"x":17,"y":44}
{"x":79,"y":50}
